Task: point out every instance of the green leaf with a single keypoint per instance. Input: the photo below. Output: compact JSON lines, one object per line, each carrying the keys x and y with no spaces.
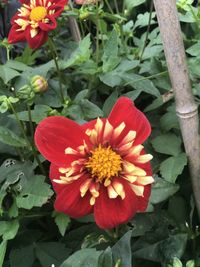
{"x":62,"y":221}
{"x":133,"y":3}
{"x":116,"y":76}
{"x":3,"y":247}
{"x":51,"y":253}
{"x":142,"y":223}
{"x":165,"y":250}
{"x":194,"y":50}
{"x":23,"y":257}
{"x":105,"y":259}
{"x":37,"y":114}
{"x":8,"y":229}
{"x":143,"y":19}
{"x":172,"y":167}
{"x":84,"y":110}
{"x":83,"y":258}
{"x":7,"y":73}
{"x":16,"y":65}
{"x":34,"y":194}
{"x":169,"y":121}
{"x":110,"y":56}
{"x":10,"y":138}
{"x":141,"y":84}
{"x":168,"y":144}
{"x":79,"y":56}
{"x":122,"y":250}
{"x":109,"y":103}
{"x":162,"y":190}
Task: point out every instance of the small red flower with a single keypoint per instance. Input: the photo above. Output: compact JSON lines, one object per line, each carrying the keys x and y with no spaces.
{"x":34,"y":20}
{"x":99,"y":167}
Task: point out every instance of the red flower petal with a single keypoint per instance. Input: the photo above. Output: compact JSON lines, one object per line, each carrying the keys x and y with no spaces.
{"x":15,"y":36}
{"x":125,"y":111}
{"x":54,"y":134}
{"x":143,"y":201}
{"x":36,"y":41}
{"x":58,"y":7}
{"x":55,"y":174}
{"x":48,"y":26}
{"x":109,"y":213}
{"x":69,"y":200}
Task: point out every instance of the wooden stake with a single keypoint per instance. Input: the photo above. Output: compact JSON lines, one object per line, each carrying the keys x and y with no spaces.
{"x":186,"y":108}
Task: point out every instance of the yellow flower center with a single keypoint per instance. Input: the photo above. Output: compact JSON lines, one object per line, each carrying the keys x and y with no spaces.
{"x":104,"y":163}
{"x":38,"y":13}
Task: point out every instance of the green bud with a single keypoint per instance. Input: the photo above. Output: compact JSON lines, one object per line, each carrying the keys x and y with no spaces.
{"x":177,"y":263}
{"x":39,"y":84}
{"x":24,"y":92}
{"x":190,"y":263}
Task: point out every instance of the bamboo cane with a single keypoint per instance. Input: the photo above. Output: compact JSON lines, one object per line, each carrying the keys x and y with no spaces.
{"x":74,"y":28}
{"x":186,"y":109}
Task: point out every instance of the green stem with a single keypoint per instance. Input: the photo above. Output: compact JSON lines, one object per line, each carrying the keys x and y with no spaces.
{"x":118,"y":263}
{"x":116,"y":6}
{"x":55,"y":58}
{"x":8,"y":53}
{"x":97,"y":34}
{"x":109,"y":7}
{"x":148,"y":30}
{"x":30,"y":121}
{"x":147,"y":78}
{"x":29,"y":144}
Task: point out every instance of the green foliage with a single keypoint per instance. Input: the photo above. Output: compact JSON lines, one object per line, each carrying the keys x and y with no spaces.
{"x":120,"y":53}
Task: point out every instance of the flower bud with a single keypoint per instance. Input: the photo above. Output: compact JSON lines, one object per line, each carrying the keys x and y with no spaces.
{"x":39,"y":84}
{"x":24,"y":92}
{"x":177,"y":263}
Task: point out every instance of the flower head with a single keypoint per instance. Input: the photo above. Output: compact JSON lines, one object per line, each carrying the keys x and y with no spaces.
{"x":33,"y":21}
{"x":99,"y":167}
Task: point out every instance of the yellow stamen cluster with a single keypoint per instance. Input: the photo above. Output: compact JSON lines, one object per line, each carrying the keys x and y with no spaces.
{"x":104,"y":163}
{"x":38,"y":13}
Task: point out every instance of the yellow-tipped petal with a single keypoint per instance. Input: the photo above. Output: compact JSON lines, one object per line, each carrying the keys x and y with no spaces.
{"x":33,"y":32}
{"x":137,"y":189}
{"x":135,"y":150}
{"x":84,"y":187}
{"x":118,"y":130}
{"x":118,"y":187}
{"x":107,"y":130}
{"x":92,"y":201}
{"x":60,"y":181}
{"x":111,"y":192}
{"x":70,"y":151}
{"x":129,"y":137}
{"x":144,"y":158}
{"x":63,"y":170}
{"x":130,"y":178}
{"x":145,"y":180}
{"x":99,"y":125}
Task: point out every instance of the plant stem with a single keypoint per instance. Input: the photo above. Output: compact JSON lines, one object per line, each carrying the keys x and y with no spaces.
{"x":148,"y":77}
{"x":109,"y":7}
{"x":97,"y":33}
{"x":30,"y":121}
{"x":116,"y":6}
{"x":55,"y":58}
{"x":29,"y":143}
{"x":148,"y":30}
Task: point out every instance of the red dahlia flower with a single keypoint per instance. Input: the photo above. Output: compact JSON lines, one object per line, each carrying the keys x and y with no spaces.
{"x":34,"y":20}
{"x":99,"y":167}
